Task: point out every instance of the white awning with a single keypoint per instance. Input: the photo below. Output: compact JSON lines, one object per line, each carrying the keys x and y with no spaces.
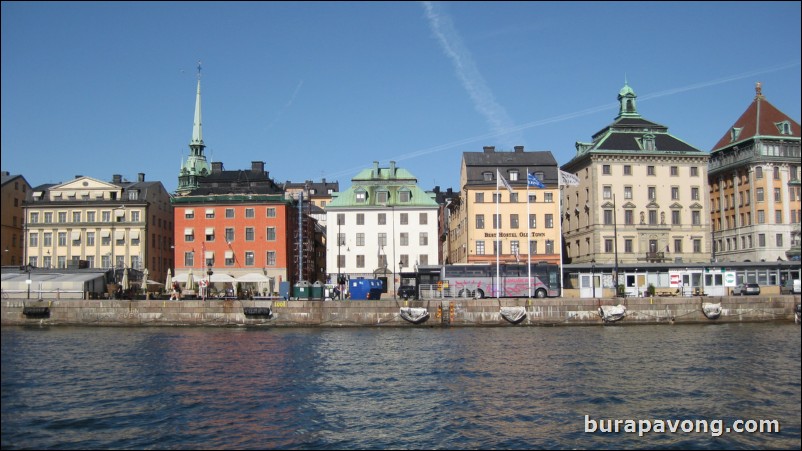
{"x":119,"y":213}
{"x":76,"y":235}
{"x":85,"y":193}
{"x":189,"y":211}
{"x":134,"y":234}
{"x":119,"y":234}
{"x":69,"y":193}
{"x":209,"y":254}
{"x":210,"y":230}
{"x":229,"y":254}
{"x":105,"y":233}
{"x":210,"y":211}
{"x":189,"y":231}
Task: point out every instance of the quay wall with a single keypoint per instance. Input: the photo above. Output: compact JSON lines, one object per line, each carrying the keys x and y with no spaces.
{"x":454,"y":312}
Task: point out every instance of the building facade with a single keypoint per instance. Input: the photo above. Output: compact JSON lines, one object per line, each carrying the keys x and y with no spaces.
{"x":382,"y":225}
{"x":515,"y":223}
{"x":91,"y":223}
{"x":15,"y":192}
{"x":755,"y":186}
{"x":641,"y":195}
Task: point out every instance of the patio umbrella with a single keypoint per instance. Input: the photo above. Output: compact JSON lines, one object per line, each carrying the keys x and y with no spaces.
{"x":190,"y":282}
{"x":168,"y":285}
{"x":125,"y":279}
{"x":145,"y":280}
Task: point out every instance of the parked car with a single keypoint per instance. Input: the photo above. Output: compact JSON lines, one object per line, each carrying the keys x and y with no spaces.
{"x":746,"y":288}
{"x":791,"y":287}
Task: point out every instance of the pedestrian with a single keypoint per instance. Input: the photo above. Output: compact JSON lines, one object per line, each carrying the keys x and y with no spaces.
{"x":336,"y":292}
{"x":176,"y":294}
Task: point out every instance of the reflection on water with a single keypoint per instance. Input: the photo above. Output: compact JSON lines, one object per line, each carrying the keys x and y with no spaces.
{"x":414,"y":388}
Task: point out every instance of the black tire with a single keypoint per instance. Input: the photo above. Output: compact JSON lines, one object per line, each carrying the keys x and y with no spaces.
{"x":540,"y":293}
{"x":478,"y":294}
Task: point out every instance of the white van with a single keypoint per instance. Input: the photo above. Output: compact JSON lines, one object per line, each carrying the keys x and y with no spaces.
{"x":792,"y":287}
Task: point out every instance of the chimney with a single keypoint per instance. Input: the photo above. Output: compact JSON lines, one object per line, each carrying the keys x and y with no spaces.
{"x":117,"y":178}
{"x":375,"y":173}
{"x":519,"y":149}
{"x":257,"y":167}
{"x":217,"y":167}
{"x":140,"y":177}
{"x":78,"y":176}
{"x":489,"y":149}
{"x":392,"y":169}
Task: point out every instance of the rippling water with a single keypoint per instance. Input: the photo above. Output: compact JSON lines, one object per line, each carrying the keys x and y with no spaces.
{"x":399,"y":388}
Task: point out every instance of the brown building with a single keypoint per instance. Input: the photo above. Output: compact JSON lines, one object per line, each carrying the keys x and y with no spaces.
{"x":15,"y":191}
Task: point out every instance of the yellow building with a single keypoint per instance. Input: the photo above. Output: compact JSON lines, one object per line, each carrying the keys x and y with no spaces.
{"x":90,"y":223}
{"x":497,"y":212}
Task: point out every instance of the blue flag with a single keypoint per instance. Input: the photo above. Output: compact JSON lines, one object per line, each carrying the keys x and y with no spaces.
{"x":532,"y":180}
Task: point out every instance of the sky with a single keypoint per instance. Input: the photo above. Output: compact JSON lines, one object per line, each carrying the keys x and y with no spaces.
{"x":321,"y":90}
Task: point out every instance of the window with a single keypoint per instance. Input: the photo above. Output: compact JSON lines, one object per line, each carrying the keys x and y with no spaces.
{"x":188,"y":213}
{"x":34,"y":239}
{"x":404,"y":196}
{"x":497,"y":221}
{"x":382,"y":196}
{"x":776,"y":173}
{"x":676,"y":217}
{"x":480,"y":247}
{"x":759,"y":194}
{"x":606,"y":170}
{"x":627,"y":169}
{"x":34,"y":217}
{"x":627,"y":192}
{"x":210,"y":213}
{"x":480,"y":197}
{"x":514,"y":247}
{"x":229,"y":234}
{"x":189,"y":259}
{"x":341,"y":261}
{"x":229,"y":213}
{"x":652,"y":217}
{"x":62,"y":238}
{"x":758,"y":172}
{"x":249,"y":258}
{"x":480,"y":221}
{"x":135,"y":216}
{"x":696,"y":217}
{"x":209,"y":234}
{"x":487,"y":176}
{"x":271,"y":258}
{"x":270,"y":234}
{"x":361,"y":197}
{"x":360,"y":239}
{"x":549,"y":221}
{"x":697,"y":246}
{"x":189,"y":235}
{"x":761,"y":217}
{"x":90,"y":238}
{"x":423,"y":239}
{"x":382,"y":239}
{"x":629,"y":217}
{"x":513,"y":221}
{"x":49,"y":217}
{"x":628,"y":246}
{"x":249,"y":235}
{"x":549,"y":246}
{"x":497,"y":247}
{"x":761,"y":240}
{"x":650,"y":170}
{"x":404,"y":238}
{"x":694,"y":171}
{"x":271,"y":212}
{"x":652,"y":192}
{"x":360,"y":219}
{"x":340,"y":218}
{"x":548,"y":197}
{"x":778,"y":217}
{"x":675,"y":193}
{"x":674,"y":171}
{"x":423,"y":218}
{"x":76,"y":216}
{"x":608,"y":246}
{"x":777,"y":195}
{"x":607,"y":192}
{"x":360,"y":261}
{"x":779,"y":239}
{"x":382,"y":218}
{"x":533,"y":247}
{"x":695,"y":193}
{"x":513,"y":198}
{"x":608,"y":217}
{"x":250,"y":213}
{"x":532,"y":221}
{"x":62,"y":216}
{"x":404,"y":219}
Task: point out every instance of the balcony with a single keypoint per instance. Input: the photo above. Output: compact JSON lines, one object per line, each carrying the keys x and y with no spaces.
{"x":655,"y":257}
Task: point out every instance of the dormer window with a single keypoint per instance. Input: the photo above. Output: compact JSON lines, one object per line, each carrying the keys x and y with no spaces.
{"x":783,"y":127}
{"x":735,"y":133}
{"x":382,"y":197}
{"x":404,"y":195}
{"x":513,"y":175}
{"x":487,"y":176}
{"x":647,"y":142}
{"x":361,"y":196}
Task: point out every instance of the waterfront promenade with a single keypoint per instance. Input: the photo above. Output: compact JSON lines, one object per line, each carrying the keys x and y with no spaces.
{"x":453,"y":312}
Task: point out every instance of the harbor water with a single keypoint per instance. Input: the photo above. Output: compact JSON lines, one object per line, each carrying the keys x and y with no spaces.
{"x":399,"y":388}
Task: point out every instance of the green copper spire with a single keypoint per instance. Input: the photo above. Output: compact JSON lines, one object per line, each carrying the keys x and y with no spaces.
{"x":626,"y":97}
{"x":196,"y":165}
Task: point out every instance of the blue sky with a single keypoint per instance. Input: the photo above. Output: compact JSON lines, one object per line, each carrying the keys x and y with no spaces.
{"x":321,"y":90}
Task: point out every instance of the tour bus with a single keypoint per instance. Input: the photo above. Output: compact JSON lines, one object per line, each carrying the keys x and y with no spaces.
{"x":483,"y":280}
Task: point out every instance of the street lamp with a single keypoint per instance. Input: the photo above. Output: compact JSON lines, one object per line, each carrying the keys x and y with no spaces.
{"x":593,"y":276}
{"x":209,"y":273}
{"x":28,"y":281}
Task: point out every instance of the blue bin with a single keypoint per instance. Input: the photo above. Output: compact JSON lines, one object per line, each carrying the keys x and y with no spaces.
{"x":365,"y":289}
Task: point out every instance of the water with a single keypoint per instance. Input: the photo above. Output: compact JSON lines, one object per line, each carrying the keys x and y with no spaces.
{"x":399,"y":388}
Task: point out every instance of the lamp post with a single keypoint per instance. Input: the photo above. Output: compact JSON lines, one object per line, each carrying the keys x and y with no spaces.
{"x":339,"y":244}
{"x":209,"y":273}
{"x":593,"y":276}
{"x":28,"y":281}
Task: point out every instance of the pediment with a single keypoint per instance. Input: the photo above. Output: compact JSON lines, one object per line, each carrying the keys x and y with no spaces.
{"x":652,"y":205}
{"x":84,"y":183}
{"x":629,"y":205}
{"x":608,"y":204}
{"x":675,"y":206}
{"x":696,"y":206}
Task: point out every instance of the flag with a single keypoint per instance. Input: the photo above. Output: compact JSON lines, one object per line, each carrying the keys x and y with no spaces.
{"x":568,"y":179}
{"x":532,"y":180}
{"x":504,"y":181}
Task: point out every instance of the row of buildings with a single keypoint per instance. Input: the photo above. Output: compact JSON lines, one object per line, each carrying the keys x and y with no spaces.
{"x":636,"y":193}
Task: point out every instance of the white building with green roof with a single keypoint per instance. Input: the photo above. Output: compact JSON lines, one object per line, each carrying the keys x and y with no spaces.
{"x":382,"y":225}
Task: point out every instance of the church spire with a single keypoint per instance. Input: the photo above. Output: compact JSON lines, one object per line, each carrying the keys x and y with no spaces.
{"x":196,"y":166}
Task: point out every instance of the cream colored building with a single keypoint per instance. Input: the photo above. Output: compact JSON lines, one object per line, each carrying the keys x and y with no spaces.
{"x":524,"y":221}
{"x":642,"y":195}
{"x":96,"y":224}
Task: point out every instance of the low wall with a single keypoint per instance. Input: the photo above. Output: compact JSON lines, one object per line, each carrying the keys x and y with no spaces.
{"x":442,"y":312}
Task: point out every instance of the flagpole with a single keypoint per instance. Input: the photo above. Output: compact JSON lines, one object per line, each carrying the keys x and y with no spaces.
{"x":528,"y":240}
{"x":498,"y":235}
